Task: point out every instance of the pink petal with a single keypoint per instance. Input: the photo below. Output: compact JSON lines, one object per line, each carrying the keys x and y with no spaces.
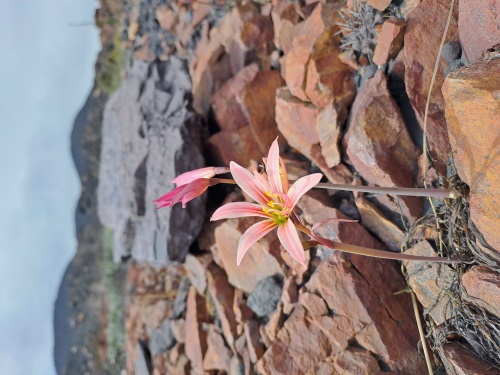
{"x":248,"y":183}
{"x":261,"y":178}
{"x":273,"y":167}
{"x":284,"y":177}
{"x":289,"y":238}
{"x":302,"y":186}
{"x":190,"y":176}
{"x":251,"y":236}
{"x":238,"y":209}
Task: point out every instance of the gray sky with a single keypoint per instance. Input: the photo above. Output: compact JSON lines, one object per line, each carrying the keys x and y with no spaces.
{"x":46,"y":72}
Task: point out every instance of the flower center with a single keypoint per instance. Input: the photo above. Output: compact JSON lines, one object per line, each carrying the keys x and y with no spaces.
{"x":276,"y":211}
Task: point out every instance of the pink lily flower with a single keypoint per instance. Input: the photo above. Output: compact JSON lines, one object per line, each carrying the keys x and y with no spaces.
{"x":207,"y":172}
{"x":184,"y":193}
{"x":276,"y":201}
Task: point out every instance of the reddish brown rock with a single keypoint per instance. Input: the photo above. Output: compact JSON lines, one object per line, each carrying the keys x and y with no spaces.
{"x":289,"y":295}
{"x":218,"y":356}
{"x":422,"y":39}
{"x":254,"y":345}
{"x":196,"y":267}
{"x":389,"y":41}
{"x":313,"y":70}
{"x":378,"y":143}
{"x":299,"y":121}
{"x":166,"y":18}
{"x":222,"y":294}
{"x":375,"y":221}
{"x":477,"y":39}
{"x":483,"y":288}
{"x":473,"y":114}
{"x":461,"y":361}
{"x":407,"y":6}
{"x":329,"y":124}
{"x":257,"y":264}
{"x":315,"y":305}
{"x":241,"y":311}
{"x":379,"y":4}
{"x":227,"y":109}
{"x":178,"y":327}
{"x":196,"y":315}
{"x":285,"y":16}
{"x":258,"y":102}
{"x":351,"y":361}
{"x":430,"y":282}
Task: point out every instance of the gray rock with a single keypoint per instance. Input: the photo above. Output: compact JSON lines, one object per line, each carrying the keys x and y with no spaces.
{"x":142,"y":362}
{"x":266,"y":295}
{"x":149,"y":136}
{"x":162,"y":338}
{"x":180,"y":299}
{"x":451,"y":51}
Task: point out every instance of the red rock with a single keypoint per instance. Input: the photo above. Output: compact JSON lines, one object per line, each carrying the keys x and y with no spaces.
{"x":483,"y":288}
{"x":254,"y":345}
{"x":258,"y":102}
{"x":285,"y":16}
{"x":473,"y":115}
{"x":422,"y":39}
{"x":298,"y":122}
{"x":179,"y":329}
{"x":375,"y":221}
{"x":241,"y":311}
{"x":430,"y":282}
{"x":379,"y":4}
{"x":218,"y":356}
{"x":274,"y":324}
{"x":315,"y":305}
{"x":328,"y":125}
{"x":196,"y":314}
{"x":222,"y":294}
{"x":289,"y":294}
{"x":407,"y":6}
{"x":378,"y":143}
{"x":257,"y":264}
{"x":196,"y":267}
{"x":389,"y":41}
{"x":476,"y":40}
{"x":351,"y":361}
{"x":313,"y":70}
{"x":461,"y":361}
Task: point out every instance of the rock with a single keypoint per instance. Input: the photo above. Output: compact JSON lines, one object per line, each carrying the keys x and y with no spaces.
{"x":146,"y":126}
{"x":236,"y":366}
{"x":162,"y":339}
{"x":430,"y":282}
{"x":301,"y":122}
{"x":227,"y":109}
{"x":351,"y":361}
{"x":254,"y":345}
{"x":142,"y":364}
{"x":222,"y":294}
{"x":266,"y":295}
{"x":451,"y":51}
{"x":473,"y":114}
{"x":241,"y":311}
{"x":461,"y":361}
{"x":315,"y":305}
{"x":329,"y":124}
{"x":476,"y":40}
{"x":196,"y":267}
{"x":218,"y":356}
{"x":180,"y":299}
{"x":258,"y":102}
{"x":313,"y":69}
{"x":289,"y":295}
{"x":274,"y":324}
{"x":422,"y":39}
{"x":483,"y":288}
{"x":407,"y":6}
{"x":389,"y":41}
{"x":178,"y":327}
{"x":378,"y":143}
{"x":379,"y":4}
{"x":375,"y":221}
{"x":196,"y":315}
{"x":257,"y":264}
{"x":285,"y":16}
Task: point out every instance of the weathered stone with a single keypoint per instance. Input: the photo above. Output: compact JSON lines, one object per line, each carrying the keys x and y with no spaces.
{"x":285,"y":16}
{"x":379,"y":4}
{"x":350,"y":361}
{"x":166,"y":18}
{"x":178,"y":330}
{"x":315,"y":305}
{"x":407,"y":6}
{"x":300,"y":122}
{"x":389,"y":41}
{"x":258,"y":102}
{"x":162,"y":338}
{"x":378,"y":143}
{"x":430,"y":282}
{"x":329,"y":124}
{"x":422,"y":39}
{"x":196,"y":315}
{"x":227,"y":109}
{"x":254,"y":344}
{"x":196,"y":267}
{"x":241,"y":311}
{"x":146,"y":126}
{"x":289,"y":295}
{"x":476,"y":40}
{"x":313,"y":70}
{"x":461,"y":361}
{"x":218,"y":356}
{"x":142,"y":366}
{"x":473,"y":114}
{"x":483,"y":288}
{"x":258,"y":262}
{"x":266,"y":295}
{"x":222,"y":294}
{"x":375,"y":221}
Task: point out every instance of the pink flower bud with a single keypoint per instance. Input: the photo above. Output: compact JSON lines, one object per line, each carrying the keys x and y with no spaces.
{"x":207,"y":172}
{"x":184,"y":193}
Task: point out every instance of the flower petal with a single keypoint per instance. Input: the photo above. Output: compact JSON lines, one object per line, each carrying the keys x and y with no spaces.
{"x":289,"y":238}
{"x":302,"y":186}
{"x":190,"y":176}
{"x":248,"y":183}
{"x":284,"y":177}
{"x":261,"y":178}
{"x":238,"y":209}
{"x":251,"y":236}
{"x":273,"y":167}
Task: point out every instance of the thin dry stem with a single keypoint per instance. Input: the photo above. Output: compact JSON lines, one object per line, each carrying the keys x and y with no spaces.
{"x":421,"y":333}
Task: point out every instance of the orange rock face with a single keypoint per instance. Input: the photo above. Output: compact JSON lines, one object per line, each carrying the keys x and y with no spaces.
{"x":389,"y":41}
{"x":472,"y":98}
{"x":483,"y":285}
{"x":424,"y":32}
